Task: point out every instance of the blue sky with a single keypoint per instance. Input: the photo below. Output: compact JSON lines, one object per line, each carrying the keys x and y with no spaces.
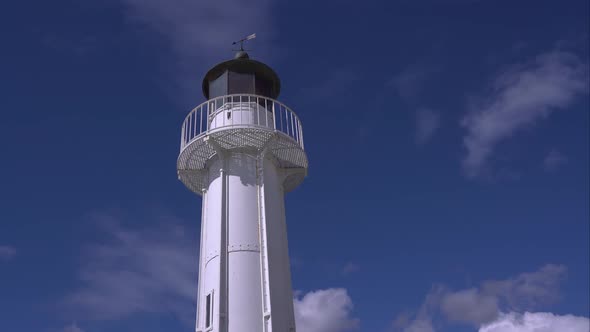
{"x":448,"y":143}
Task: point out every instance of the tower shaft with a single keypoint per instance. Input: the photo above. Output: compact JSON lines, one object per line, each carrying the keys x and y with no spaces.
{"x":244,"y":272}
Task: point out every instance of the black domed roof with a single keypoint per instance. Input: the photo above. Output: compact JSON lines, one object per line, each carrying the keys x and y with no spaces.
{"x":244,"y":65}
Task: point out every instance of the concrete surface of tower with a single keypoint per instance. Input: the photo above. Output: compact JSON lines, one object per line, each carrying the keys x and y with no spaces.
{"x":242,"y":150}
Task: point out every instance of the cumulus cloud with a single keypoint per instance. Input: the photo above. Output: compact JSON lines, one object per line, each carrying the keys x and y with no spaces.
{"x":146,"y":270}
{"x":7,"y":252}
{"x":537,"y":322}
{"x":427,"y":122}
{"x":328,"y":310}
{"x":553,"y":160}
{"x":519,"y":98}
{"x":484,"y":304}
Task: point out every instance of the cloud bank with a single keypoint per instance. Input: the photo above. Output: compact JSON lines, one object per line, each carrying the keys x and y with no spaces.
{"x":519,"y":98}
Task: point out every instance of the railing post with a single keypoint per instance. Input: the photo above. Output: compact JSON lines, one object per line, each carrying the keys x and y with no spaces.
{"x":194,"y":124}
{"x":258,"y":110}
{"x":292,"y":129}
{"x":200,"y":119}
{"x":265,"y":112}
{"x":274,"y":119}
{"x":182,"y":136}
{"x":300,"y":135}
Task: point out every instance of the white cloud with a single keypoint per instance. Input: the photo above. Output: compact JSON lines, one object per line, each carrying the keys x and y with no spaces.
{"x":148,"y":270}
{"x":537,"y":322}
{"x":7,"y":252}
{"x":427,"y":122}
{"x":518,"y":99}
{"x":326,"y":310}
{"x":553,"y":160}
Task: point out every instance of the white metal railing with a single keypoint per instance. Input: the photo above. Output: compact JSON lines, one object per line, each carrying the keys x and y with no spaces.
{"x":240,"y":110}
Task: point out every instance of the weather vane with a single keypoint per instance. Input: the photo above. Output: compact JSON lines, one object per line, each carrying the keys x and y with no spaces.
{"x":241,"y":41}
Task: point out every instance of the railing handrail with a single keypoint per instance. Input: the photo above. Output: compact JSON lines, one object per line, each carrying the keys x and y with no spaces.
{"x":293,"y":129}
{"x":237,"y":95}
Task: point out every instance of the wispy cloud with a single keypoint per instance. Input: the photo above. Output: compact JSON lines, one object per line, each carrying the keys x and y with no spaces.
{"x":410,"y":82}
{"x":409,"y":85}
{"x":427,"y":122}
{"x":72,"y":328}
{"x":147,"y":270}
{"x":328,"y":310}
{"x":7,"y":252}
{"x":529,"y":290}
{"x":478,"y":306}
{"x":336,"y":83}
{"x":201,"y":32}
{"x":520,"y":97}
{"x":74,"y":43}
{"x":202,"y":28}
{"x":350,"y":268}
{"x":422,"y":321}
{"x":537,"y":322}
{"x":554,"y":160}
{"x":420,"y":325}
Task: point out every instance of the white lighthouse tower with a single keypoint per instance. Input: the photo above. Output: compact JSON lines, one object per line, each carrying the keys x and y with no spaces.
{"x":242,"y":150}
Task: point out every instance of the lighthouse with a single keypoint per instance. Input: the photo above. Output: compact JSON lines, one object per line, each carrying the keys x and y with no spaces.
{"x":241,"y":151}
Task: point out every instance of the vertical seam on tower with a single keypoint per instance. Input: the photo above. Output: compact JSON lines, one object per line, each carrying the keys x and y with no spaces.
{"x":266,"y":318}
{"x":201,"y":265}
{"x":223,"y":250}
{"x":226,"y":298}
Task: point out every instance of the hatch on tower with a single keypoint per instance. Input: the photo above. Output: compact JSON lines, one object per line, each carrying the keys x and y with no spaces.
{"x":241,"y":75}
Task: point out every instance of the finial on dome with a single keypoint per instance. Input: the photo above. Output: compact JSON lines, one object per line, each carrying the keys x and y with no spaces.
{"x":242,"y":55}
